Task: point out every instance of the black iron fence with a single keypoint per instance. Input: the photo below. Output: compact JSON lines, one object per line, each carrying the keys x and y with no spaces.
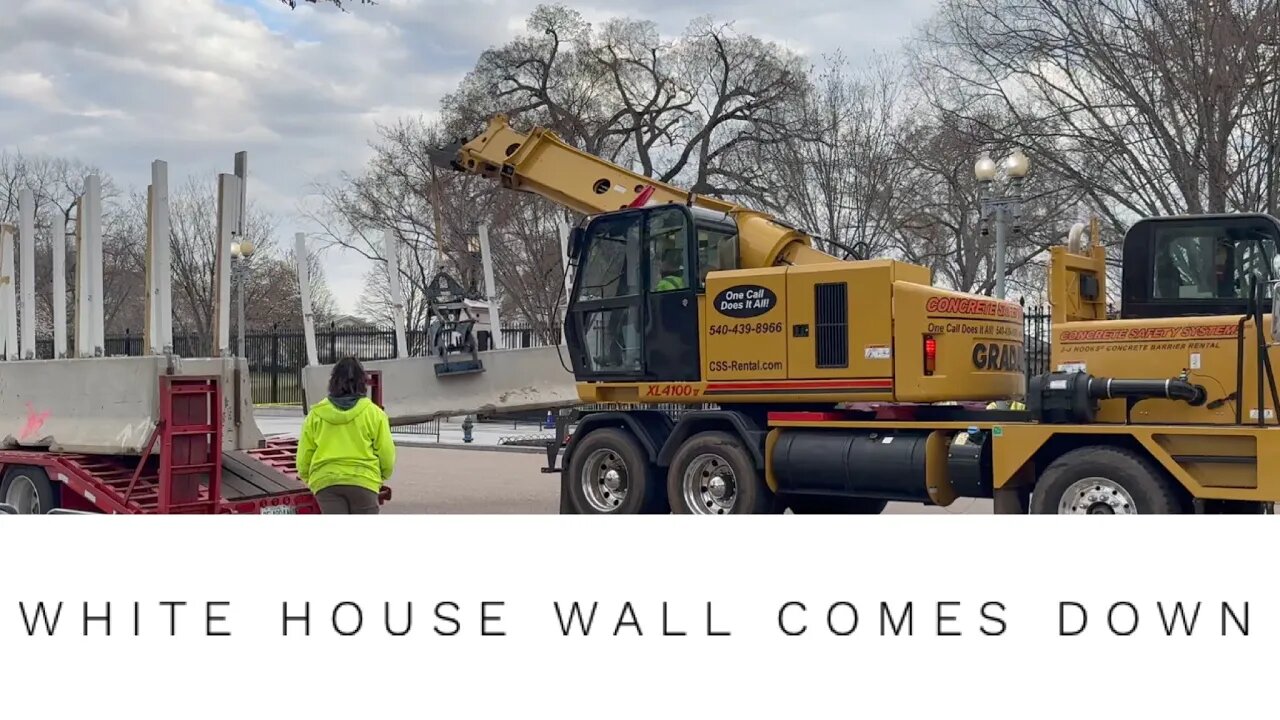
{"x":276,"y":357}
{"x":1036,"y":340}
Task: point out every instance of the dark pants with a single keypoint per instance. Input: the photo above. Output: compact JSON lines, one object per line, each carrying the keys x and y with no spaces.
{"x":347,"y":500}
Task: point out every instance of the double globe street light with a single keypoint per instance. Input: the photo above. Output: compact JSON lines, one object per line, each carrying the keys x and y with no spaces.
{"x":1006,"y":209}
{"x":240,"y":254}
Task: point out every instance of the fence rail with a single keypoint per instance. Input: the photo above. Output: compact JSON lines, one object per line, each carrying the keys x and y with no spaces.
{"x":276,"y":358}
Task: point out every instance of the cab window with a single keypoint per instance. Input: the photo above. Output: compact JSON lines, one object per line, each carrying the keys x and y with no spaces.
{"x":612,"y":268}
{"x":1207,"y":262}
{"x":717,"y":250}
{"x":668,"y":233}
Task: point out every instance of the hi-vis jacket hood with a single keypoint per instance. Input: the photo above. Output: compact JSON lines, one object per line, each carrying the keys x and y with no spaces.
{"x":346,"y":441}
{"x":343,"y":409}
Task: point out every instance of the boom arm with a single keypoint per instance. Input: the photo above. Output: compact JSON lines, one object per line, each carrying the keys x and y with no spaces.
{"x":541,"y":163}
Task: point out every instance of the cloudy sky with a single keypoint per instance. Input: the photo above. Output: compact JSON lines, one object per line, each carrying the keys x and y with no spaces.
{"x":118,"y":83}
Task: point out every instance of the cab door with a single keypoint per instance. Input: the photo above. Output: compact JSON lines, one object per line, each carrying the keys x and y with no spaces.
{"x":671,"y":319}
{"x":605,"y":324}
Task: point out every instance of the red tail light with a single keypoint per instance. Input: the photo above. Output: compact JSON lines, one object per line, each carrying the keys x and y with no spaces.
{"x":930,"y":354}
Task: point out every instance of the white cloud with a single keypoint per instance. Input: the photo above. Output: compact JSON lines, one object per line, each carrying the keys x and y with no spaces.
{"x":117,"y":83}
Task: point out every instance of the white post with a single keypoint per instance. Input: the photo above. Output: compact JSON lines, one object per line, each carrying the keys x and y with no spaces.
{"x":84,"y":341}
{"x":27,"y":244}
{"x":242,"y":172}
{"x":490,"y":288}
{"x":162,"y":286}
{"x":304,"y":290}
{"x":8,"y":303}
{"x":391,"y":248}
{"x":564,"y":270}
{"x":59,"y":241}
{"x":92,"y":207}
{"x":228,"y":213}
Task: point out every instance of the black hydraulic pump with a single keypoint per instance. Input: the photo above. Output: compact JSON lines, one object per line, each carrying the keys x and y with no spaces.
{"x":1073,"y":397}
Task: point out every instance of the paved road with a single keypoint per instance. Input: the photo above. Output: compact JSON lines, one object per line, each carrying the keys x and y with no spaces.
{"x":438,"y":480}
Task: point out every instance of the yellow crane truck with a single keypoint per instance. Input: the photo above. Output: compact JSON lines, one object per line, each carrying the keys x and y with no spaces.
{"x":837,"y":386}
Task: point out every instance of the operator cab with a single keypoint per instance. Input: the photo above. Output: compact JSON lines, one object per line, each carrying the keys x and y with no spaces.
{"x":633,"y":311}
{"x":1187,"y":266}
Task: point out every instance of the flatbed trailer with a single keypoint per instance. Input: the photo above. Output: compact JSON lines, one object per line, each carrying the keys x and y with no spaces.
{"x":183,"y":469}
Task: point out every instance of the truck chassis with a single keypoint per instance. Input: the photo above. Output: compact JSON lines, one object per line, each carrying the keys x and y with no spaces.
{"x":768,"y":460}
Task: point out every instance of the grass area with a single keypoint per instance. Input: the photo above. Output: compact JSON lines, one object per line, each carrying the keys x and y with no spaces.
{"x":288,"y":388}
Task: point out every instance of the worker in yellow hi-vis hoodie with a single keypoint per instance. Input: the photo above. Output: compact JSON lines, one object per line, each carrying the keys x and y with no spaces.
{"x":345,"y":453}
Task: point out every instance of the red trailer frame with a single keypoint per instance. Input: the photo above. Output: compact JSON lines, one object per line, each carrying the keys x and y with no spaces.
{"x":187,"y":475}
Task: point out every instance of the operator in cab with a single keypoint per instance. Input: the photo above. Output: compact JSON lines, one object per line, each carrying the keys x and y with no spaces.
{"x":671,"y":270}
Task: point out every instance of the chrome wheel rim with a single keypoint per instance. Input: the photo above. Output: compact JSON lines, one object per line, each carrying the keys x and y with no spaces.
{"x":1096,"y":496}
{"x":710,"y":487}
{"x":22,"y":495}
{"x":605,"y":481}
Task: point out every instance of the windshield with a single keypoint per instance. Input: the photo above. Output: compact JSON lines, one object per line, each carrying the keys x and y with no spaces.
{"x":1210,"y":262}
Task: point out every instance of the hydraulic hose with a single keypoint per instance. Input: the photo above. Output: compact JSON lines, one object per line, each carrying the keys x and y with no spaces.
{"x":1171,"y":389}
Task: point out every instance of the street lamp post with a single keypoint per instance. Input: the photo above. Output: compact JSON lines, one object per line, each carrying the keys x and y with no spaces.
{"x":240,"y":254}
{"x":1006,"y":209}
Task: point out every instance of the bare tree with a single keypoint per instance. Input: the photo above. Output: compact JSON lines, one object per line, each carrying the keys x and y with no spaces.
{"x":680,"y":111}
{"x":271,"y":291}
{"x":841,"y":179}
{"x":56,"y":185}
{"x":939,"y":224}
{"x":433,"y":214}
{"x":1148,"y":106}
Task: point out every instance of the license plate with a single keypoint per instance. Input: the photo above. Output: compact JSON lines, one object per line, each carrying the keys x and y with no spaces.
{"x":279,"y":510}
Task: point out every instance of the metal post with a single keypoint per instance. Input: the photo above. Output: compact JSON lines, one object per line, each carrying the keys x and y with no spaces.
{"x":91,"y":209}
{"x":161,"y":270}
{"x":27,"y":249}
{"x":490,"y":289}
{"x":239,"y":272}
{"x":60,"y":293}
{"x":8,"y":300}
{"x":83,"y":286}
{"x":391,"y":248}
{"x":228,"y":200}
{"x":242,"y":172}
{"x":1002,"y":230}
{"x":304,"y":290}
{"x":565,"y":231}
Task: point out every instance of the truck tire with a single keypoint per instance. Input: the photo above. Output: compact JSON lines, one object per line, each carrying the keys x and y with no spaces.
{"x":811,"y":505}
{"x":1103,"y":480}
{"x":28,"y":489}
{"x":713,"y":473}
{"x":610,"y":474}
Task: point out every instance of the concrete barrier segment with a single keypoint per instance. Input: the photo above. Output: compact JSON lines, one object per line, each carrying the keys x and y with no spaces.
{"x":109,"y":406}
{"x":512,"y":380}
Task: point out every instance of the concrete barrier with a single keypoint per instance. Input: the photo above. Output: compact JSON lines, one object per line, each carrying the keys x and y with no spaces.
{"x":108,"y":406}
{"x":513,"y":380}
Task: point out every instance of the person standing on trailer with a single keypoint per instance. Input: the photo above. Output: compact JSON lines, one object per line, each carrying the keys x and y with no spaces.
{"x":345,"y":453}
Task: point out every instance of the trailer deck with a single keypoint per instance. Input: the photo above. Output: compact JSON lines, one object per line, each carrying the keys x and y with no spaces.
{"x":182,"y":469}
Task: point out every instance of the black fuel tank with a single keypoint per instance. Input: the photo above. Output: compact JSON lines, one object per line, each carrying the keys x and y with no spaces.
{"x":888,"y":466}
